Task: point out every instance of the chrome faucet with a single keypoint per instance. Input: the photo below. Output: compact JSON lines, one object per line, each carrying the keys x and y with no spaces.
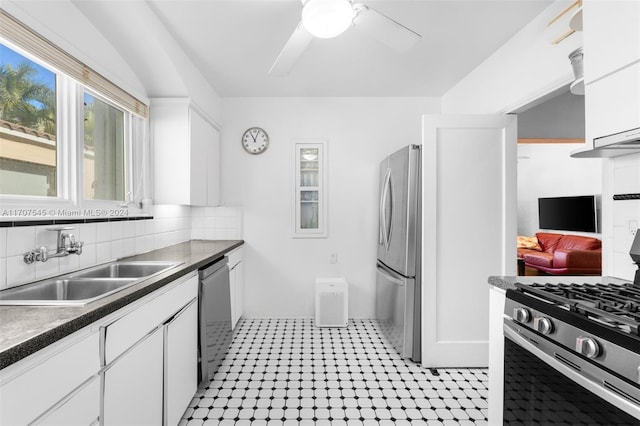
{"x":66,"y":244}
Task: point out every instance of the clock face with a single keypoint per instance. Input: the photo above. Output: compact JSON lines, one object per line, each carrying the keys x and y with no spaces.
{"x":255,"y":140}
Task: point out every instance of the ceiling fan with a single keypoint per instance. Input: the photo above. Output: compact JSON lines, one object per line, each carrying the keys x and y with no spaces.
{"x":330,"y":18}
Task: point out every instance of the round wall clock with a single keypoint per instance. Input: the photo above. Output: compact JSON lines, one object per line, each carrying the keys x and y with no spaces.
{"x":255,"y":140}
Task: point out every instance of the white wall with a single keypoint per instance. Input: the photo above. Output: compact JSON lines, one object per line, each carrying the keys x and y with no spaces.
{"x":519,"y":72}
{"x":280,"y":271}
{"x":547,"y":170}
{"x":64,"y":25}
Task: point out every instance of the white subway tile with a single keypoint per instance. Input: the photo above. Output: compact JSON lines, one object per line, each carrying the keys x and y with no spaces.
{"x":128,"y":248}
{"x":19,"y":272}
{"x":88,"y":256}
{"x":117,"y":230}
{"x":47,"y":269}
{"x":45,"y":237}
{"x":3,"y":272}
{"x":69,"y":263}
{"x":88,"y":233}
{"x":117,"y":250}
{"x":129,"y":229}
{"x":103,"y":232}
{"x":140,"y":228}
{"x":20,"y":239}
{"x":143,"y":244}
{"x":103,"y":252}
{"x":3,"y":242}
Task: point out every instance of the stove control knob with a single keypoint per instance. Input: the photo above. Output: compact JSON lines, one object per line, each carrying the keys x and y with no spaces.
{"x":588,"y":347}
{"x":521,"y":315}
{"x":543,"y":325}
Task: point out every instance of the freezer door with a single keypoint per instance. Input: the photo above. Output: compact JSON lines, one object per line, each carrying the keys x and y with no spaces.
{"x":395,"y":309}
{"x":398,"y":210}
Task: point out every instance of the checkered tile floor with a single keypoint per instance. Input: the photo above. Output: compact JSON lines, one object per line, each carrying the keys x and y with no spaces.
{"x":289,"y":372}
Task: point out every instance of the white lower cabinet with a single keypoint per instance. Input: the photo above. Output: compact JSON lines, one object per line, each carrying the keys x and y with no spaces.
{"x":150,"y":358}
{"x":35,"y":387}
{"x":236,"y":284}
{"x":180,"y":362}
{"x":133,"y":384}
{"x":135,"y":367}
{"x":82,"y":408}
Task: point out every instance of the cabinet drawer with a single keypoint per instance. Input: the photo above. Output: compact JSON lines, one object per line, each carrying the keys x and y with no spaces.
{"x":82,"y":409}
{"x":48,"y":377}
{"x":127,"y":330}
{"x":234,"y":257}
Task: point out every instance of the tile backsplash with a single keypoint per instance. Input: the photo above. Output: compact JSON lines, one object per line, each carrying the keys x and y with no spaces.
{"x":216,"y":223}
{"x":106,"y":241}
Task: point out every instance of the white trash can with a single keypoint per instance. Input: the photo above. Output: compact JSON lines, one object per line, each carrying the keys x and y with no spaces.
{"x":332,"y":302}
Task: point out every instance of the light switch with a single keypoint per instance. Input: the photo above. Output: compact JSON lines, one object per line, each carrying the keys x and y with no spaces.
{"x":333,"y":258}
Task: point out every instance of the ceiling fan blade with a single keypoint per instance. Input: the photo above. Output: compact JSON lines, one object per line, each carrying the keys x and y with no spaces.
{"x":291,"y":51}
{"x":383,"y":28}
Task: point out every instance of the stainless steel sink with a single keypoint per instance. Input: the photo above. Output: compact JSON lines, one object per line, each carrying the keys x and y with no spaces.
{"x":124,"y":270}
{"x":68,"y":291}
{"x":82,"y":287}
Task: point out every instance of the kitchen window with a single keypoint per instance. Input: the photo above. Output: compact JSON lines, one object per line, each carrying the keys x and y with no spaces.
{"x":68,"y":136}
{"x":28,"y":123}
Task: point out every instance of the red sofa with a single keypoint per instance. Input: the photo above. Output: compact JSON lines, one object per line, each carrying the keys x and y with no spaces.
{"x":560,"y":254}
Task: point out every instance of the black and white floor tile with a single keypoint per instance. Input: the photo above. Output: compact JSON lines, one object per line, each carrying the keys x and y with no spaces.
{"x":290,"y":372}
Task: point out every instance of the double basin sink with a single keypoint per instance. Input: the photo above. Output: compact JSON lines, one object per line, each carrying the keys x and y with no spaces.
{"x":85,"y":286}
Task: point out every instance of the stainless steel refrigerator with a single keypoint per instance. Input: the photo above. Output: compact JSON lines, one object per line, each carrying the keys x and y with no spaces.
{"x":398,"y":283}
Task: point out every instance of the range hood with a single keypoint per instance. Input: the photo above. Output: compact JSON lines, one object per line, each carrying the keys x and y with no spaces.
{"x":623,"y":143}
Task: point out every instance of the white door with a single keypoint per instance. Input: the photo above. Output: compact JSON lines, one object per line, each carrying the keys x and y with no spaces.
{"x":133,"y":385}
{"x":469,"y":231}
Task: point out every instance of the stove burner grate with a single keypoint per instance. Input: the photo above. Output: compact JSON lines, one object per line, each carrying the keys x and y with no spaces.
{"x":616,"y":305}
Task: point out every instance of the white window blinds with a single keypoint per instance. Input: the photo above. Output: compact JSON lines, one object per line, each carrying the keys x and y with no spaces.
{"x":26,"y":39}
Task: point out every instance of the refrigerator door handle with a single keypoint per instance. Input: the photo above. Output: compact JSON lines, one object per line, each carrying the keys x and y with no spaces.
{"x":382,"y":215}
{"x":390,"y":275}
{"x":387,"y":197}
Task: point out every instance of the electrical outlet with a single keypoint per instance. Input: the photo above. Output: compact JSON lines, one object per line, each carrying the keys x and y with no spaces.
{"x":333,"y":258}
{"x":633,"y":227}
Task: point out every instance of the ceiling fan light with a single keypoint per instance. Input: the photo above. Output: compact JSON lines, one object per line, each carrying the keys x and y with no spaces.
{"x":327,"y":18}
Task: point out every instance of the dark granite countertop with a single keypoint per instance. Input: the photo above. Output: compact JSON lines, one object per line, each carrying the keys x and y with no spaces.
{"x":507,"y":282}
{"x":26,"y":329}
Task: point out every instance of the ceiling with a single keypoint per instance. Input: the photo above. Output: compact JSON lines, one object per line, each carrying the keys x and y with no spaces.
{"x":234,"y":43}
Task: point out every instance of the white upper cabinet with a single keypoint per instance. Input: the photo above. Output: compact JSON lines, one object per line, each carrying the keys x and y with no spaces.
{"x":611,"y":66}
{"x":611,"y":36}
{"x":186,"y":152}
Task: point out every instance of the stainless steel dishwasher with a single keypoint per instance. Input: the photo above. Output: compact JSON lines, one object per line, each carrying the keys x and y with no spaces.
{"x":214,"y":309}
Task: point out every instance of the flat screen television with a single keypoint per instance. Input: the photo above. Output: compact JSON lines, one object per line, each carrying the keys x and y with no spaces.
{"x":568,"y":213}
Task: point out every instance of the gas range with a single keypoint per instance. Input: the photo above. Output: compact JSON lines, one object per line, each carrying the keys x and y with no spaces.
{"x":591,"y":330}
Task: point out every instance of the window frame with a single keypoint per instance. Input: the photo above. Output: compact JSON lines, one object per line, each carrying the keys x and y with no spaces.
{"x":69,"y":201}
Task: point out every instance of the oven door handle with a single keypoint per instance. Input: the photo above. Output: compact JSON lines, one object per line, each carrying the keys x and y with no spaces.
{"x":604,"y":393}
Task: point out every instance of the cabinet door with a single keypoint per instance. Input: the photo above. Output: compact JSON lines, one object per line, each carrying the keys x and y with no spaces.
{"x":205,"y":162}
{"x":133,"y":384}
{"x":181,"y":363}
{"x":611,"y":39}
{"x":82,"y":409}
{"x":233,"y":290}
{"x":34,"y":385}
{"x":239,"y":272}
